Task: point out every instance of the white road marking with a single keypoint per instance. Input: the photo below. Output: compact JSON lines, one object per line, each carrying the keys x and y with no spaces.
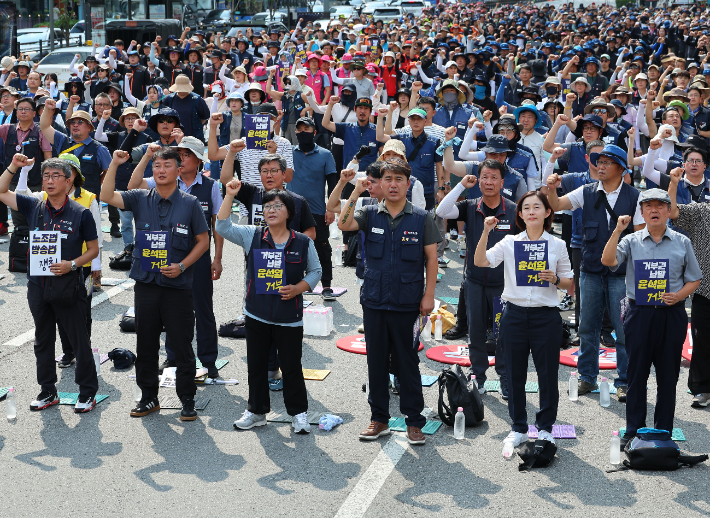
{"x":97,"y":299}
{"x":365,"y":491}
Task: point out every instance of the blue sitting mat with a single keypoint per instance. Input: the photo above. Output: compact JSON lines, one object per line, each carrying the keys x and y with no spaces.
{"x":494,"y":386}
{"x":677,"y":434}
{"x":71,"y":398}
{"x":427,"y":381}
{"x":397,"y":424}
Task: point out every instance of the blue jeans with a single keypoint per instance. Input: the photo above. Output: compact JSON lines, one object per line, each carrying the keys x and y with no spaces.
{"x":126,"y":226}
{"x":599,"y":292}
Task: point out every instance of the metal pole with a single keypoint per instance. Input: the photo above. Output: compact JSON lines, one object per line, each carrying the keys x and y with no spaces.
{"x":130,"y":9}
{"x":51,"y":26}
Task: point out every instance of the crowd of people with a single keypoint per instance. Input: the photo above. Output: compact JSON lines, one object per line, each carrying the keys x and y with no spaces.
{"x":471,"y":127}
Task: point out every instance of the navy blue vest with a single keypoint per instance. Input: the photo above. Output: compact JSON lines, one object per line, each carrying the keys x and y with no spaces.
{"x":511,"y":180}
{"x":459,"y":119}
{"x":68,"y":222}
{"x":520,"y":160}
{"x":298,"y":105}
{"x":30,"y":148}
{"x":684,"y":196}
{"x":474,"y":228}
{"x":596,"y":230}
{"x":257,"y":212}
{"x":89,"y":160}
{"x":224,"y":128}
{"x":272,"y":307}
{"x":612,"y":136}
{"x":182,"y":240}
{"x":203,"y":193}
{"x":577,"y":158}
{"x":197,"y":130}
{"x":125,"y":170}
{"x":360,"y":266}
{"x":394,"y":261}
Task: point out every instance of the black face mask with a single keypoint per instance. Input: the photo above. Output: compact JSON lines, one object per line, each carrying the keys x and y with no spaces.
{"x":551,"y":91}
{"x":340,"y":53}
{"x":305,"y":140}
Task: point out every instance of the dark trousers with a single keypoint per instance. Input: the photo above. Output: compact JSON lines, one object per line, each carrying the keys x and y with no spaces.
{"x":289,"y":340}
{"x":337,"y":150}
{"x":71,"y":312}
{"x":158,"y":306}
{"x":113,"y":215}
{"x":3,"y":213}
{"x":537,"y":331}
{"x":389,"y":332}
{"x":653,"y":337}
{"x":325,"y":252}
{"x":461,"y":312}
{"x":202,"y":289}
{"x":18,"y":219}
{"x":479,"y":309}
{"x":67,"y":347}
{"x":699,"y":375}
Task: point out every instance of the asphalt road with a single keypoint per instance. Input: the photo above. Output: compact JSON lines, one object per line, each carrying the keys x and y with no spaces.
{"x":57,"y":463}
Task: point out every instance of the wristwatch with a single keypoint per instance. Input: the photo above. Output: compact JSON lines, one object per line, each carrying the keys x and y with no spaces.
{"x":182,"y":267}
{"x":442,"y":188}
{"x":557,"y":283}
{"x":73,"y":266}
{"x":447,"y":184}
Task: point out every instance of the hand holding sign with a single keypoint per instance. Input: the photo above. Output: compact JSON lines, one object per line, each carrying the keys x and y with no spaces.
{"x":531,"y":259}
{"x":288,"y":292}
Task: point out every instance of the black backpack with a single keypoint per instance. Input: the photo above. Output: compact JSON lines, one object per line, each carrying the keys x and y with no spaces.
{"x":460,"y":392}
{"x":352,"y":254}
{"x":654,"y":449}
{"x":233,"y":329}
{"x":19,"y":248}
{"x":122,"y":261}
{"x":536,"y":454}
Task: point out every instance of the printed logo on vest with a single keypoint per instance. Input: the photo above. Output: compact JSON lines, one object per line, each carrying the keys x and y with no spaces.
{"x":376,"y":230}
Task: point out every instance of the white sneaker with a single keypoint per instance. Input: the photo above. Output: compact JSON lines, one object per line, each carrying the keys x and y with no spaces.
{"x":250,"y":420}
{"x":512,"y":441}
{"x":544,"y":435}
{"x":300,"y":423}
{"x":701,"y":400}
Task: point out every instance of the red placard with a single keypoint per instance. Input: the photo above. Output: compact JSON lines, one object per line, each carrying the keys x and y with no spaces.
{"x":356,"y":344}
{"x":450,"y":354}
{"x":607,"y":357}
{"x":688,"y":345}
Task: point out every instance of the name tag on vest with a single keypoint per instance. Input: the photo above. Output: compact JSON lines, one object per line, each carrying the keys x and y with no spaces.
{"x":376,"y":230}
{"x":503,"y":226}
{"x":87,"y":157}
{"x":509,"y":192}
{"x":180,"y":228}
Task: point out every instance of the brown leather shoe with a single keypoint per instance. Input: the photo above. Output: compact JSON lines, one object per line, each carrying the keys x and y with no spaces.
{"x":415,"y":435}
{"x":374,"y":431}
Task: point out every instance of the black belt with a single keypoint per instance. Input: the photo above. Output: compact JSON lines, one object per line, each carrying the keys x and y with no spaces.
{"x":658,"y":306}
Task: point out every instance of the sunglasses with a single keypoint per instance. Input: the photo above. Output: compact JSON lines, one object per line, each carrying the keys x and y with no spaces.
{"x":163,"y":120}
{"x":599,"y":111}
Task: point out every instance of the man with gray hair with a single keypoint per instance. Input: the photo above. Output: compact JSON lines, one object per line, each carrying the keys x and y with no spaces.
{"x":56,"y":293}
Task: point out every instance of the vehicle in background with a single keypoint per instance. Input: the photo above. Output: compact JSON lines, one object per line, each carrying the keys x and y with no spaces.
{"x":266,"y":18}
{"x":217,"y":20}
{"x":387,"y":14}
{"x":243,"y":26}
{"x":369,"y":7}
{"x":347,"y":10}
{"x":30,"y":40}
{"x":59,"y":61}
{"x":415,"y":7}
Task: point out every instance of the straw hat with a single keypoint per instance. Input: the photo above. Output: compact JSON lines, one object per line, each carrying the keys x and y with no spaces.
{"x":129,"y":111}
{"x":80,"y":114}
{"x":182,"y":84}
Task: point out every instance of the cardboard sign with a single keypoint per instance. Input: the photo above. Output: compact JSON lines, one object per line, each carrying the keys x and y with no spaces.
{"x":651,"y":279}
{"x":256,"y":128}
{"x":154,"y":249}
{"x":45,"y":250}
{"x":530,"y":259}
{"x":301,"y":52}
{"x":268,"y":271}
{"x":257,"y":215}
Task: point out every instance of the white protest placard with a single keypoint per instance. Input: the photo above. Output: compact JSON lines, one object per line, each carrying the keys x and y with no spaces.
{"x":45,"y":250}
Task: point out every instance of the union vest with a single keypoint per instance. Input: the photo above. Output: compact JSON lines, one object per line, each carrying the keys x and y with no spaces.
{"x":224,"y":128}
{"x":520,"y":160}
{"x":510,"y":184}
{"x":203,"y":193}
{"x":197,"y":128}
{"x":394,"y":261}
{"x":360,"y":265}
{"x":89,"y":160}
{"x":30,"y":148}
{"x":83,"y":198}
{"x":272,"y":307}
{"x":125,"y":170}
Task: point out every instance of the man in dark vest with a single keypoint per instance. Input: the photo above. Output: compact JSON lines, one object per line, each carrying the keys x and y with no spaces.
{"x":163,"y":295}
{"x":25,"y":138}
{"x":206,"y":190}
{"x":600,"y":288}
{"x":400,"y":241}
{"x":76,"y":226}
{"x":191,"y":107}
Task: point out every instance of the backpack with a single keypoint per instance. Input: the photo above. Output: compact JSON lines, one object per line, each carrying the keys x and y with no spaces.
{"x":128,"y":321}
{"x":122,"y":261}
{"x":233,"y":329}
{"x":654,"y":449}
{"x":536,"y":454}
{"x":19,"y":248}
{"x":460,"y":392}
{"x":352,"y":254}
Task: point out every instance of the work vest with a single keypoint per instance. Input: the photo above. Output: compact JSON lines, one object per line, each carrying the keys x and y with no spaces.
{"x":30,"y":148}
{"x":596,"y":230}
{"x":256,"y":212}
{"x":83,"y":198}
{"x":89,"y":160}
{"x":225,"y":128}
{"x":359,"y":256}
{"x":125,"y":170}
{"x":394,"y":261}
{"x":317,"y":83}
{"x":459,"y":119}
{"x":296,"y":103}
{"x":180,"y":235}
{"x":475,"y":216}
{"x":389,"y":77}
{"x":272,"y":307}
{"x":197,"y":128}
{"x":520,"y":160}
{"x":203,"y":193}
{"x":511,"y":180}
{"x":570,"y":182}
{"x":68,"y":222}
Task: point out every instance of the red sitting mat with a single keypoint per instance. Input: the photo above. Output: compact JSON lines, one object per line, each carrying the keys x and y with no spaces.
{"x":450,"y":354}
{"x":607,"y":357}
{"x":356,"y":344}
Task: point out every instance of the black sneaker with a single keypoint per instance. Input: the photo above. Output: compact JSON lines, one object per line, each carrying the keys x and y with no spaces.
{"x":504,"y":389}
{"x":607,"y":340}
{"x":188,"y":412}
{"x":456,"y":333}
{"x":327,"y":294}
{"x":44,"y":400}
{"x":115,"y":230}
{"x":146,"y":406}
{"x":625,"y":439}
{"x":167,"y":364}
{"x":84,"y":404}
{"x":212,"y":371}
{"x":66,"y":361}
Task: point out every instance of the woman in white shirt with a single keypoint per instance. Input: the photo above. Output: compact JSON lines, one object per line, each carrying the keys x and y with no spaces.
{"x":530,"y":322}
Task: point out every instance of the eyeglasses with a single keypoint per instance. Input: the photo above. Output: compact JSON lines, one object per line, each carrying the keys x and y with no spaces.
{"x":275,"y":207}
{"x":129,"y":118}
{"x":695,"y":161}
{"x":55,"y":177}
{"x":184,"y":155}
{"x":77,"y":122}
{"x":599,"y":111}
{"x":604,"y":163}
{"x":270,"y":172}
{"x":99,"y":105}
{"x":6,"y":96}
{"x":163,"y":120}
{"x":23,"y":110}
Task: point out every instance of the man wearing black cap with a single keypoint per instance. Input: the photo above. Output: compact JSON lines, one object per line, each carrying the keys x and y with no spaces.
{"x":136,"y":74}
{"x":171,"y":68}
{"x":313,"y":168}
{"x":354,"y":135}
{"x":211,"y":73}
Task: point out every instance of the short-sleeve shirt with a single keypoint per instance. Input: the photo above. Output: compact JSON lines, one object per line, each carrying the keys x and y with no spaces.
{"x":246,"y":196}
{"x":309,"y":176}
{"x":215,"y":194}
{"x":431,"y":232}
{"x":356,"y":136}
{"x":682,"y":265}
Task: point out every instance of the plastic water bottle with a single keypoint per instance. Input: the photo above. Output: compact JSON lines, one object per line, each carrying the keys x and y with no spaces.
{"x":459,"y":424}
{"x":137,"y":393}
{"x":10,"y":404}
{"x":329,"y":421}
{"x":573,"y":387}
{"x":508,"y":449}
{"x":338,"y":255}
{"x":615,"y":449}
{"x":438,"y":328}
{"x":97,"y":360}
{"x":604,"y":398}
{"x":426,"y":332}
{"x":334,"y":231}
